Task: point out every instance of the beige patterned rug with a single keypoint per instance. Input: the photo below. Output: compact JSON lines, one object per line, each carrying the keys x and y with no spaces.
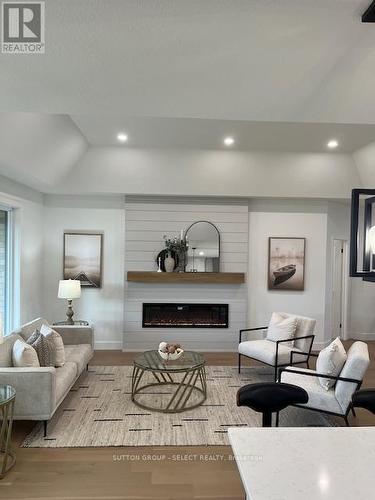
{"x":99,"y":412}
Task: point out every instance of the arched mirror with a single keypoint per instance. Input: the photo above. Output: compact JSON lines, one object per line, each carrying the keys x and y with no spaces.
{"x":203,"y":254}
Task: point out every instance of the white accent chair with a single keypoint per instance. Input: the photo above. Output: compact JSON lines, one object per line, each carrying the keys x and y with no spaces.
{"x":337,"y":400}
{"x":279,"y":354}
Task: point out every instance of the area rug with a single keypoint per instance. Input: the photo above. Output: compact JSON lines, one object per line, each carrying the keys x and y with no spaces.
{"x":99,"y":412}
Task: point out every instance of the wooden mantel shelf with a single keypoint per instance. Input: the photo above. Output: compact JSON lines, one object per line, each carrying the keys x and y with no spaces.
{"x":155,"y":277}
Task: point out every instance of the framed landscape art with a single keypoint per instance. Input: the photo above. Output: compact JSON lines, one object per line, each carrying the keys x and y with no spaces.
{"x":286,"y":264}
{"x":83,"y":257}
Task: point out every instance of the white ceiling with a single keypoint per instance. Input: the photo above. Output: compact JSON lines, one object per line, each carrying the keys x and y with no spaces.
{"x":188,"y":133}
{"x":38,"y":150}
{"x":257,"y":60}
{"x":281,"y":76}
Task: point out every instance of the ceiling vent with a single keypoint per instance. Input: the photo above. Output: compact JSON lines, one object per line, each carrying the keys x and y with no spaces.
{"x":369,"y":15}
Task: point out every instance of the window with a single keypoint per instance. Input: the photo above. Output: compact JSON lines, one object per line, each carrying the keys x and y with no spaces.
{"x":5,"y":268}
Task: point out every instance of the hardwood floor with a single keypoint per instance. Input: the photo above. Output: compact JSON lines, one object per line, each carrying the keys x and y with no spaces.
{"x":194,"y":472}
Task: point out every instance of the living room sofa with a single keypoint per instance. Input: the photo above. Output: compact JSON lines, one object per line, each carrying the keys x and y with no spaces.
{"x":39,"y":391}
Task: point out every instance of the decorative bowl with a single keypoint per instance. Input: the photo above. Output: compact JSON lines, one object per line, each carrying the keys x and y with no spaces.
{"x":171,"y":356}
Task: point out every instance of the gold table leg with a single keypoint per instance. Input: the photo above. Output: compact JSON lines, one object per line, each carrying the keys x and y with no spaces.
{"x":193,"y":380}
{"x":8,"y":456}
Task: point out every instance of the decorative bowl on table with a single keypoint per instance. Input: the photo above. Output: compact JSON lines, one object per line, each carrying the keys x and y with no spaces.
{"x":170,"y":352}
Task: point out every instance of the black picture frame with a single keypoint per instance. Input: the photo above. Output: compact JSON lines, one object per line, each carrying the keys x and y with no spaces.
{"x":83,"y":273}
{"x":282,"y":283}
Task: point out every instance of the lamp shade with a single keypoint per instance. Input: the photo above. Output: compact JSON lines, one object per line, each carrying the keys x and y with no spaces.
{"x":69,"y":289}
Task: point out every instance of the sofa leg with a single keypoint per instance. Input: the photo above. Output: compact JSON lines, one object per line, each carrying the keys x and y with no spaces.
{"x":239,"y":363}
{"x":87,"y":367}
{"x":45,"y":423}
{"x":346,"y":421}
{"x":275,"y":373}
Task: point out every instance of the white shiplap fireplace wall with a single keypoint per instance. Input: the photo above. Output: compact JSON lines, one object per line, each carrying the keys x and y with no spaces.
{"x":147,"y":220}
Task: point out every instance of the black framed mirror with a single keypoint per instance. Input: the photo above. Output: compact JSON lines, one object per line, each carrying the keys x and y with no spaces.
{"x":362,"y":234}
{"x":203,"y":254}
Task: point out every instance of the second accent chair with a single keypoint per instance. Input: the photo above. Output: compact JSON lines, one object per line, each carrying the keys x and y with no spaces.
{"x":274,"y":351}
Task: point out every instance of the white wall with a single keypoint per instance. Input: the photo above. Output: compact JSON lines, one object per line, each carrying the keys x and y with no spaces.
{"x":364,"y":160}
{"x":146,"y":223}
{"x":338,"y":227}
{"x":102,"y":307}
{"x":211,"y":173}
{"x":28,"y":250}
{"x":311,"y":301}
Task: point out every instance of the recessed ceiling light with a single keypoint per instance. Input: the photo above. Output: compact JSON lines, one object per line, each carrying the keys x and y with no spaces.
{"x":201,"y":253}
{"x":332,"y":144}
{"x":229,"y":141}
{"x":122,"y":137}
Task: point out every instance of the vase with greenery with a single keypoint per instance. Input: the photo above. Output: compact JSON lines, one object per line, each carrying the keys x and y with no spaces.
{"x":179,"y":246}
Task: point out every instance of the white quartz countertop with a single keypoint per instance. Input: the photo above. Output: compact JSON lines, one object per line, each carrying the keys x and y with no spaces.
{"x":310,"y":463}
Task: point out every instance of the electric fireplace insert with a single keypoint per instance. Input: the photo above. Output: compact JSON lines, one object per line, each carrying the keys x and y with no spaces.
{"x":167,"y":315}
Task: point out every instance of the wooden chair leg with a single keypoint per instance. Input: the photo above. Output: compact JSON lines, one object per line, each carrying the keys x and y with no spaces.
{"x":347,"y":421}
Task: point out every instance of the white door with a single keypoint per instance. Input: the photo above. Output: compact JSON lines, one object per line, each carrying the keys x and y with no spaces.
{"x":338,"y":289}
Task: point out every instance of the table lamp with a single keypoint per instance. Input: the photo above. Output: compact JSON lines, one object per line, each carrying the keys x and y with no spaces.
{"x":69,"y":290}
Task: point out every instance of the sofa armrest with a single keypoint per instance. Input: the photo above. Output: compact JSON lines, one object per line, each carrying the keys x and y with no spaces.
{"x":75,"y":334}
{"x":35,"y":391}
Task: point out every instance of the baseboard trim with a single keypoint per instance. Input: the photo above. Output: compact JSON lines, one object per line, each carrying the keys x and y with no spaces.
{"x":365,"y":337}
{"x":101,"y":345}
{"x":222,"y":347}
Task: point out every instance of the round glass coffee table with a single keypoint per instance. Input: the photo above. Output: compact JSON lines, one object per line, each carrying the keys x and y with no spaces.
{"x":169,"y":386}
{"x":7,"y":397}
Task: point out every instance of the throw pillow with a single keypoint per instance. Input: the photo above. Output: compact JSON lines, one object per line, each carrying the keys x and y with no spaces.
{"x":282,"y":328}
{"x":24,"y":356}
{"x":330,"y":362}
{"x":42,"y":347}
{"x":33,"y":337}
{"x":56,"y":343}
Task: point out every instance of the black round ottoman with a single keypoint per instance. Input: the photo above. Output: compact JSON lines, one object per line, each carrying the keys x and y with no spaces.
{"x":364,"y":399}
{"x":270,"y":397}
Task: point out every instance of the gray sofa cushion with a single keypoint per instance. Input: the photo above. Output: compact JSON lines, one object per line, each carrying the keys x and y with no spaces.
{"x":6,"y":349}
{"x":65,"y":377}
{"x":79,"y":354}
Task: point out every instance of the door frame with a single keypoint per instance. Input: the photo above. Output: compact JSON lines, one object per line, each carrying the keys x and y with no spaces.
{"x":345,"y":292}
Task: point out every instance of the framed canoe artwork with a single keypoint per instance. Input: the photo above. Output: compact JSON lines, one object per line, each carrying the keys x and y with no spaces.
{"x":83,"y":258}
{"x":286,"y":264}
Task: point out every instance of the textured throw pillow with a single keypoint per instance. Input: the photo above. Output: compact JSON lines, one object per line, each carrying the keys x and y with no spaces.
{"x":281,"y":328}
{"x":330,"y":362}
{"x":42,"y":347}
{"x":56,"y":343}
{"x":24,"y":356}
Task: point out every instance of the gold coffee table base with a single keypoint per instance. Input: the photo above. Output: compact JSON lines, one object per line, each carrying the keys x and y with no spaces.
{"x":193,"y":382}
{"x":7,"y":456}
